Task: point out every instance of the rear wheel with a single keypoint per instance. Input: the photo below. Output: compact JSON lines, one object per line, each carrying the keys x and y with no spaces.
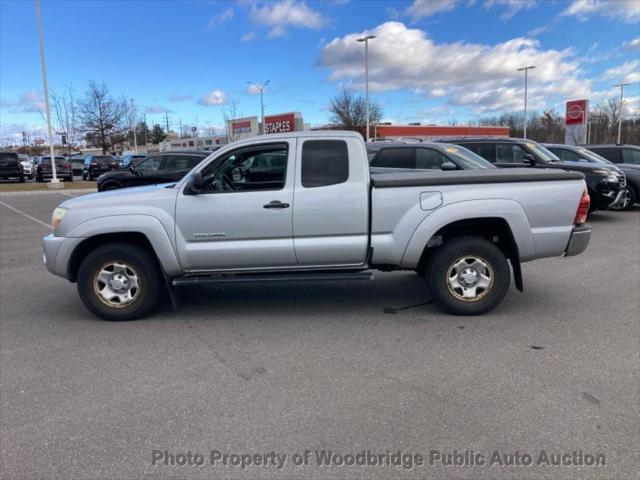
{"x":633,"y":197}
{"x":468,"y":276}
{"x":119,"y":281}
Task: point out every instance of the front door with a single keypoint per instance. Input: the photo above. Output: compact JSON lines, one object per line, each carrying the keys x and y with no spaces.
{"x":243,"y":218}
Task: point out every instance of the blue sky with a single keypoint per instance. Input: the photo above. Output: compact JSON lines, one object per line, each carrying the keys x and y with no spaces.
{"x":433,"y":61}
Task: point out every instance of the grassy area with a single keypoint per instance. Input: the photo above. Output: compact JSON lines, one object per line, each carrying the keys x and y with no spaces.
{"x":32,"y":186}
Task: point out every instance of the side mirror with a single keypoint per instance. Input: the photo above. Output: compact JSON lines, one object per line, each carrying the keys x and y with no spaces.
{"x":195,"y":184}
{"x":448,"y":166}
{"x":530,"y":159}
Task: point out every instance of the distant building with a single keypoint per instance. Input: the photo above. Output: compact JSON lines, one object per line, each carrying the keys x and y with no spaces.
{"x":191,"y":142}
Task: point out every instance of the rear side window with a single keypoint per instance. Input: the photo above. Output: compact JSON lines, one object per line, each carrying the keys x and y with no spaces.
{"x":429,"y":159}
{"x":485,"y":150}
{"x":630,"y":155}
{"x":324,"y":162}
{"x":395,"y":158}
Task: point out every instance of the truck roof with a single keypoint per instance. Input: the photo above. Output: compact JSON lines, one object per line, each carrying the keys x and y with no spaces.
{"x":302,"y":134}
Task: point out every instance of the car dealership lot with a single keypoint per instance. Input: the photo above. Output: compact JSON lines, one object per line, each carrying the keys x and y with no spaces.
{"x":342,"y":366}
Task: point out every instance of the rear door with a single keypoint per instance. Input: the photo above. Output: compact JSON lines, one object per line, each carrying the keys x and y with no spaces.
{"x":331,"y":214}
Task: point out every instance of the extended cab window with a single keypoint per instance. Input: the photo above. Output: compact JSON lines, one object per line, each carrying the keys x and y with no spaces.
{"x":395,"y":158}
{"x":254,"y":168}
{"x":324,"y":162}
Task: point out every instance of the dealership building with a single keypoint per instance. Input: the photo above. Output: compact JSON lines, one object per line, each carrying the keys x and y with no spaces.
{"x":247,"y":127}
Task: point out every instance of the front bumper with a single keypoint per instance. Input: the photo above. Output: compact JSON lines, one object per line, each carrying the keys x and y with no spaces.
{"x":578,"y":241}
{"x":56,"y":253}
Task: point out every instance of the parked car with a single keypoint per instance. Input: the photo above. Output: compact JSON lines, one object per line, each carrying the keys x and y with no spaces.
{"x":627,"y":158}
{"x":313,"y":211}
{"x":28,"y":166}
{"x":161,"y":167}
{"x":606,"y":184}
{"x":10,"y":167}
{"x":77,"y":164}
{"x":96,"y":165}
{"x":63,"y":169}
{"x":129,"y":158}
{"x":630,"y":180}
{"x":390,"y":156}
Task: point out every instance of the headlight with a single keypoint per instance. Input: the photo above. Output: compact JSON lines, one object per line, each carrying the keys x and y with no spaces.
{"x":57,"y":216}
{"x":600,"y":171}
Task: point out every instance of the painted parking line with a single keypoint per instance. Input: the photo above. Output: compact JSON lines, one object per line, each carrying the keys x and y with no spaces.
{"x":25,"y":215}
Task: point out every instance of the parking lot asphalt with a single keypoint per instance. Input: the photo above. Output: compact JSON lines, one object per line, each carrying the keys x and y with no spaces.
{"x":338,"y":366}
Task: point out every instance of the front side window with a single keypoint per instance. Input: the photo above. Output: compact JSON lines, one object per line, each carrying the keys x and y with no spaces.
{"x":485,"y":150}
{"x":324,"y":162}
{"x":427,"y":158}
{"x":509,"y":153}
{"x":395,"y":158}
{"x":150,"y":164}
{"x":253,"y":168}
{"x":631,"y":155}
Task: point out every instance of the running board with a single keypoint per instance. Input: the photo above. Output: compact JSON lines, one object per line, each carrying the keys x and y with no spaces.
{"x":272,"y":277}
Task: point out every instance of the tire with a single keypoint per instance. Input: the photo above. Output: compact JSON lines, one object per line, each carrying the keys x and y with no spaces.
{"x":111,"y":186}
{"x":633,"y":197}
{"x":116,"y":260}
{"x":469,"y":257}
{"x":21,"y":179}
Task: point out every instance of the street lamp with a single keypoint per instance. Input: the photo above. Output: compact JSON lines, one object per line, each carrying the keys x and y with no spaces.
{"x":261,"y":88}
{"x":526,"y":71}
{"x":621,"y":85}
{"x":55,"y":183}
{"x":366,"y":39}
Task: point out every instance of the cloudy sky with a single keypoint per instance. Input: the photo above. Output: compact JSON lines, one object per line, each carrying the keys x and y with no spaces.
{"x":432,"y":61}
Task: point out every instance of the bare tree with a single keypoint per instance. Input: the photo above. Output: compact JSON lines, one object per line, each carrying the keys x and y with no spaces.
{"x":229,"y":114}
{"x":103,"y":118}
{"x":64,"y":106}
{"x":350,"y":112}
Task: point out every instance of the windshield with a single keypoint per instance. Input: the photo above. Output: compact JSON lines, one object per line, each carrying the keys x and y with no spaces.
{"x":467,"y":159}
{"x":592,"y":157}
{"x":542,"y":152}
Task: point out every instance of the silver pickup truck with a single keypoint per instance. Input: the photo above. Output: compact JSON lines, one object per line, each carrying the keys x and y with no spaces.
{"x":304,"y":206}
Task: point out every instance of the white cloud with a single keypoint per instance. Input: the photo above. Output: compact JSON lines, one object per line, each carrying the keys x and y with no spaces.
{"x":156,"y":109}
{"x":254,"y":90}
{"x":278,"y":15}
{"x":628,"y":72}
{"x":215,"y":97}
{"x":426,"y":8}
{"x":220,"y":18}
{"x":28,"y":102}
{"x":484,"y":77}
{"x":512,"y":6}
{"x":633,"y":44}
{"x":534,"y":32}
{"x":176,"y":97}
{"x":623,"y":10}
{"x":247,"y":37}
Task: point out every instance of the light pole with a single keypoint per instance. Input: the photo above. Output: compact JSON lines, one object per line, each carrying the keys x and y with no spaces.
{"x":621,"y":85}
{"x":526,"y":72}
{"x":366,"y":39}
{"x":261,"y":88}
{"x":133,"y":123}
{"x":54,"y":178}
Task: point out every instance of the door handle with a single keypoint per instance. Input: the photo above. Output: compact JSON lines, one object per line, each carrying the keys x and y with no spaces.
{"x":275,"y":204}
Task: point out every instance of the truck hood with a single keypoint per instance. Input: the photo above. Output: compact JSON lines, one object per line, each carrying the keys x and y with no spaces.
{"x":121,"y":197}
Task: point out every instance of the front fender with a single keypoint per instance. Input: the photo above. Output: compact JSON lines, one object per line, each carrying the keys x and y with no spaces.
{"x":508,"y":210}
{"x":147,"y":225}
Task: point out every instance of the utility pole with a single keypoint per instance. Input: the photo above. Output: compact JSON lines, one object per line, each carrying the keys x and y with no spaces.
{"x":621,"y":85}
{"x":166,"y":119}
{"x":526,"y":72}
{"x":55,"y":183}
{"x":261,"y":88}
{"x":366,"y":75}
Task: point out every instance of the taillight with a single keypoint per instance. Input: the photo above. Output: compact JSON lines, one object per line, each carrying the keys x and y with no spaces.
{"x":93,"y":164}
{"x":583,"y":208}
{"x":67,"y":165}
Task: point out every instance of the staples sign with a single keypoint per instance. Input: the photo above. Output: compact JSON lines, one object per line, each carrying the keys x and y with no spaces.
{"x":280,"y":123}
{"x":576,"y":113}
{"x":241,"y":126}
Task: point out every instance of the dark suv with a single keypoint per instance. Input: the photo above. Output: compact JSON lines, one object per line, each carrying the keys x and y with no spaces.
{"x":63,"y":169}
{"x":606,"y":183}
{"x":163,"y":167}
{"x":96,"y":165}
{"x":10,"y":166}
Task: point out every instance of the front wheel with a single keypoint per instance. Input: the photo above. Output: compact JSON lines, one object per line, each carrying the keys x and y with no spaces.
{"x":119,"y":281}
{"x":468,"y":276}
